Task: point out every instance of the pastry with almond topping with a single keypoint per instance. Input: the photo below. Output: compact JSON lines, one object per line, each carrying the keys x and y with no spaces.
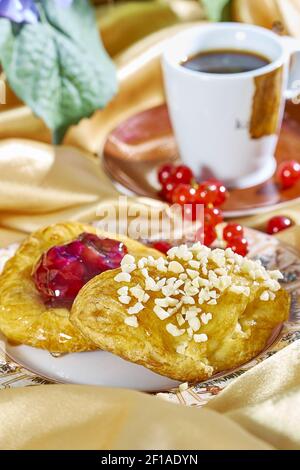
{"x":190,"y":315}
{"x":39,"y":283}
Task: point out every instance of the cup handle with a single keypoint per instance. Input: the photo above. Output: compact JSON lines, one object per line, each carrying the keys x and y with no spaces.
{"x":292,"y":47}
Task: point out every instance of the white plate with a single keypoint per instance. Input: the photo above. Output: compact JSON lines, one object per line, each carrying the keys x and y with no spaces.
{"x":89,"y":368}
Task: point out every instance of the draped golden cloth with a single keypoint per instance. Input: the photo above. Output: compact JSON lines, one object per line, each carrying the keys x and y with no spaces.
{"x":260,"y":410}
{"x":40,"y":184}
{"x":282,"y":15}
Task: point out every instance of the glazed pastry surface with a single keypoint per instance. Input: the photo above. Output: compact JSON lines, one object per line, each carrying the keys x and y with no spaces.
{"x":187,"y":317}
{"x":24,"y":318}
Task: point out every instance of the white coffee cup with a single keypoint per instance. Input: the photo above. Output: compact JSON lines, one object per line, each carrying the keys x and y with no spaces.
{"x":227,"y":125}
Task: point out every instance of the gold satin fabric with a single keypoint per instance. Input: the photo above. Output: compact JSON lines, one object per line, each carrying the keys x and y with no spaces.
{"x":40,"y":185}
{"x":281,"y":15}
{"x":259,"y":411}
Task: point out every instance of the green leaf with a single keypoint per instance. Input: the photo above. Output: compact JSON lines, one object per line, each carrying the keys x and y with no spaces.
{"x":217,"y":10}
{"x":6,"y":35}
{"x":70,"y":22}
{"x":59,"y":67}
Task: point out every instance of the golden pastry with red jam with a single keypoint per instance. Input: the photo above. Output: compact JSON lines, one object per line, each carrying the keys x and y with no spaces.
{"x":40,"y":282}
{"x":197,"y":312}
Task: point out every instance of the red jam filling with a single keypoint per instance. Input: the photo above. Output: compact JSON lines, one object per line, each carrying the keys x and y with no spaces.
{"x":63,"y":270}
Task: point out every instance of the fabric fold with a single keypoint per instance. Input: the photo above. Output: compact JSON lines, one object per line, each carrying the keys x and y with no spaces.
{"x":80,"y":417}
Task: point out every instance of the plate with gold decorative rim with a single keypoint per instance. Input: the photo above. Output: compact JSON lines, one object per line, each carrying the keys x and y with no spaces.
{"x":25,"y":366}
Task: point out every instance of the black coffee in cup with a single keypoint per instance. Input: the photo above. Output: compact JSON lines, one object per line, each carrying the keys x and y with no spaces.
{"x":225,"y":61}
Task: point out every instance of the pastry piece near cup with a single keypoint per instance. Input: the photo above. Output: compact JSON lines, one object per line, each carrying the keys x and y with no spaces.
{"x":29,"y":311}
{"x":190,"y":315}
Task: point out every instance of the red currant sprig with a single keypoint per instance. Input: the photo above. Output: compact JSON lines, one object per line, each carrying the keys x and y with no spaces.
{"x":179,"y":187}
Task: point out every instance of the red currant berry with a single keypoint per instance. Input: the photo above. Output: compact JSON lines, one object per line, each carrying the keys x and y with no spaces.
{"x":288,"y":174}
{"x":201,"y":195}
{"x":165,"y":196}
{"x":210,"y":235}
{"x":222,"y":193}
{"x":212,"y":216}
{"x":183,"y":194}
{"x":222,"y":197}
{"x":168,"y":188}
{"x":239,"y":246}
{"x":232,"y":231}
{"x":165,"y":172}
{"x":278,"y":223}
{"x":212,"y":192}
{"x":183,"y":174}
{"x":190,"y":212}
{"x":162,"y":246}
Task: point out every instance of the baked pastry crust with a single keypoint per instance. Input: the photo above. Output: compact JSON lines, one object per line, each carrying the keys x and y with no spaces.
{"x":235,"y":327}
{"x":24,"y":318}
